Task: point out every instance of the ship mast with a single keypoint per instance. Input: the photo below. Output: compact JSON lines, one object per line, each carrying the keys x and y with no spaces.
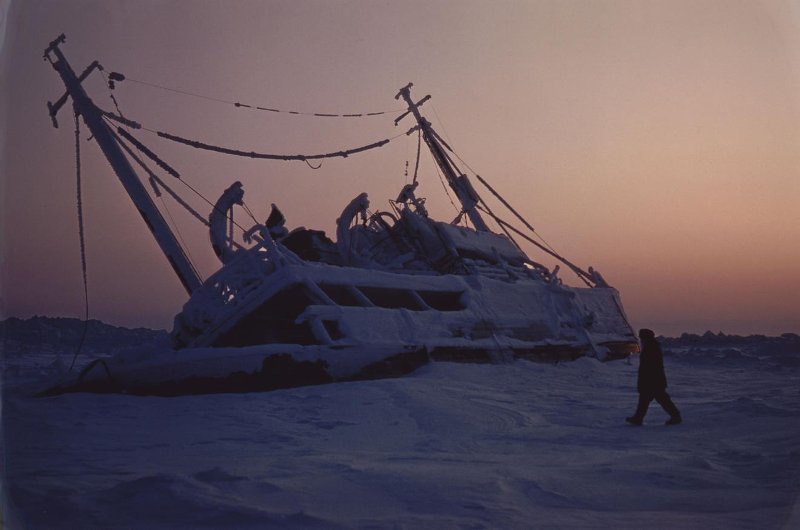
{"x":458,"y":181}
{"x":93,"y":118}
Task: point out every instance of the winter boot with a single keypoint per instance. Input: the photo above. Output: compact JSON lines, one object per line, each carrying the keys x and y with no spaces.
{"x":633,"y":420}
{"x":674,"y":420}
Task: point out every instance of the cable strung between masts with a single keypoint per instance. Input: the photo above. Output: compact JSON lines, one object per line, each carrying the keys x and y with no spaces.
{"x":237,"y":104}
{"x":252,"y":154}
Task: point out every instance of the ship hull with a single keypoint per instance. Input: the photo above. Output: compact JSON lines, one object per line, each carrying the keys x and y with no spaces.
{"x":339,"y":324}
{"x":250,"y":369}
{"x":274,"y":367}
{"x":319,"y":304}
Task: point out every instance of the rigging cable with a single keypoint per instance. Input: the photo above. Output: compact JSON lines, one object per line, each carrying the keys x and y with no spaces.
{"x":161,"y":182}
{"x":344,"y":153}
{"x":578,"y":272}
{"x":158,"y":183}
{"x":441,"y":179}
{"x":230,"y":224}
{"x":419,"y":149}
{"x":582,"y":274}
{"x":179,"y":91}
{"x":492,"y":190}
{"x":110,"y":87}
{"x":82,"y":238}
{"x":237,"y":104}
{"x":510,"y":208}
{"x":248,"y":211}
{"x":443,"y":127}
{"x":252,"y":154}
{"x":155,"y":182}
{"x":148,"y":153}
{"x":547,"y":247}
{"x":488,"y":210}
{"x":180,"y":236}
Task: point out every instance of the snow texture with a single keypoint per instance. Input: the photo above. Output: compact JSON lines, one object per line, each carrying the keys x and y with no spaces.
{"x":519,"y":445}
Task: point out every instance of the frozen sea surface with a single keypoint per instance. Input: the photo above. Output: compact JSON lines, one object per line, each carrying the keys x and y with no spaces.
{"x":452,"y":446}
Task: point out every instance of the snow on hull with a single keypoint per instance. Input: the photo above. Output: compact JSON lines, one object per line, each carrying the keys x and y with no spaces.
{"x":307,"y":324}
{"x":273,"y":367}
{"x":254,"y":369}
{"x":345,"y":305}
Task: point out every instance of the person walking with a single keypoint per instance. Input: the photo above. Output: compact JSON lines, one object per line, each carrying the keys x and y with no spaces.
{"x":652,"y":381}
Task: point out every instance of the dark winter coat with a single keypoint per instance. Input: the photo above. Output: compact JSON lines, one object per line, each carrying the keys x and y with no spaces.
{"x":652,"y":378}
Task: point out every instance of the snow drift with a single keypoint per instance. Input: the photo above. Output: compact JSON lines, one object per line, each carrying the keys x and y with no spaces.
{"x":481,"y":446}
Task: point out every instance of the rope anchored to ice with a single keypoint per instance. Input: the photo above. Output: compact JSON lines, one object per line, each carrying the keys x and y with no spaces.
{"x":82,"y":236}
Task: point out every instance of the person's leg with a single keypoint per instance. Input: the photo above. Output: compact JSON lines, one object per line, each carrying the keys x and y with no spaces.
{"x":666,"y":403}
{"x":641,"y":408}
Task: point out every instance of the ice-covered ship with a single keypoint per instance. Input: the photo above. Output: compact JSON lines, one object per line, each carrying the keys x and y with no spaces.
{"x":396,"y":290}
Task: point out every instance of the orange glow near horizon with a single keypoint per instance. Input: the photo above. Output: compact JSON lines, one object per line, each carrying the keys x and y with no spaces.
{"x":658,"y":142}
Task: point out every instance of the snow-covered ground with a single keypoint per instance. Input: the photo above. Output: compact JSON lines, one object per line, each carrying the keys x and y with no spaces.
{"x":451,"y":446}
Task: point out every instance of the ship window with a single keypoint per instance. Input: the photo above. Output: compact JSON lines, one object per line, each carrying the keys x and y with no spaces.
{"x":341,"y":294}
{"x":332,"y":327}
{"x":443,"y":300}
{"x":273,"y":322}
{"x":392,"y":298}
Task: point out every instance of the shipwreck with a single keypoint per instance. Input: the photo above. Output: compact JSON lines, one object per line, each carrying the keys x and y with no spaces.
{"x":396,"y":289}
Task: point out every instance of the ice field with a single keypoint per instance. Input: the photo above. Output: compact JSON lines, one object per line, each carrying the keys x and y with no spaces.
{"x":521,"y":445}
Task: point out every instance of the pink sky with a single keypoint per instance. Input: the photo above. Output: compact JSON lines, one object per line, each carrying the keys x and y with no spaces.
{"x":657,"y":141}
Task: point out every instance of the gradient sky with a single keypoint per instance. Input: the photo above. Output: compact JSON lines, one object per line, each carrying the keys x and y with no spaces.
{"x":657,"y":141}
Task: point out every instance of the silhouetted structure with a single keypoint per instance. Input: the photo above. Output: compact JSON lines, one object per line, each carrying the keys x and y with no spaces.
{"x":395,"y":290}
{"x":652,"y":381}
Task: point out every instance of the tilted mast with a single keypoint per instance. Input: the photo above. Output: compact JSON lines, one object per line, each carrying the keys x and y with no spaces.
{"x":458,"y":182}
{"x":93,"y":118}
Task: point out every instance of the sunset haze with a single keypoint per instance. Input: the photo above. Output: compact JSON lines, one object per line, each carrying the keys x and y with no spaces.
{"x":658,"y":142}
